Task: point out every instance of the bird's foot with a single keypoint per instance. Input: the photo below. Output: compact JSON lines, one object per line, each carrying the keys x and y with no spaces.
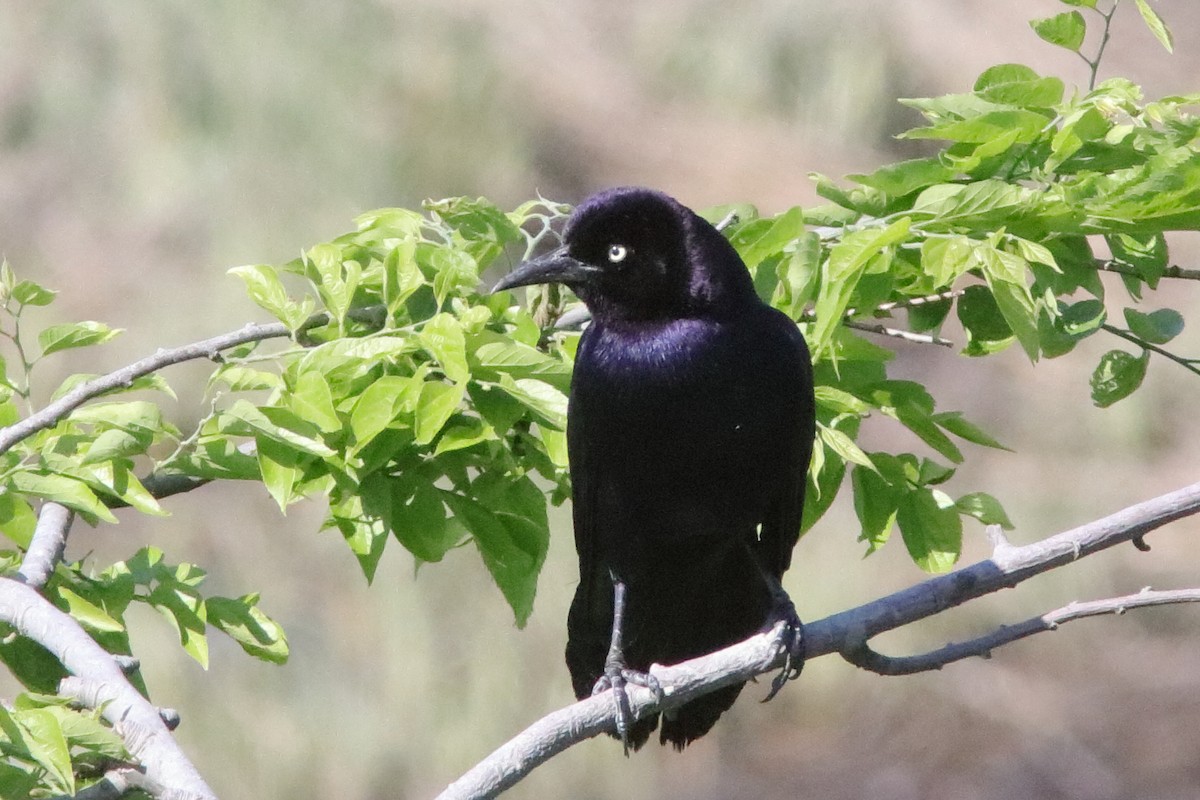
{"x":616,"y":677}
{"x":791,"y":641}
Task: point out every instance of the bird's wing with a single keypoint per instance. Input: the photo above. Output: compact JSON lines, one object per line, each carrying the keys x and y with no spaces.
{"x":582,"y":439}
{"x":795,"y":409}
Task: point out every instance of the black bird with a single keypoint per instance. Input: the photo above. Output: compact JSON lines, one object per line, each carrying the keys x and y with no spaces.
{"x":690,"y":428}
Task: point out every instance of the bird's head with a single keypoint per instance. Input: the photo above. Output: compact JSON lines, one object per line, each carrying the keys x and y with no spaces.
{"x":635,"y":253}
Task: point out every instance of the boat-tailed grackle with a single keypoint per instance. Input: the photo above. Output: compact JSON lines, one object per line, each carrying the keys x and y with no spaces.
{"x":690,"y":428}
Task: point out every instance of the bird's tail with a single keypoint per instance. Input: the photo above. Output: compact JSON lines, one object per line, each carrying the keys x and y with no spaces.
{"x":692,"y":720}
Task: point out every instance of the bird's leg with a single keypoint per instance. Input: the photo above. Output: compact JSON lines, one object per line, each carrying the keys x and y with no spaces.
{"x":791,"y":638}
{"x":617,"y":675}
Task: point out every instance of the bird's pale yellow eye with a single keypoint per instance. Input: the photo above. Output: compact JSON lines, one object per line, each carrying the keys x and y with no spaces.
{"x":617,"y":253}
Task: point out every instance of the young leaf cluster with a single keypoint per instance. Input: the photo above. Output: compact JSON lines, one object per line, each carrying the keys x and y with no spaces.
{"x":421,"y":408}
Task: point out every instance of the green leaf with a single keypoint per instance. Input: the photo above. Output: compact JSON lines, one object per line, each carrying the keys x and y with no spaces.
{"x":1019,"y":124}
{"x":437,"y":402}
{"x":87,"y":613}
{"x":875,"y":503}
{"x":1117,"y":376}
{"x":905,"y":177}
{"x":115,"y":443}
{"x":401,"y":275}
{"x":1083,"y":318}
{"x":979,"y":203}
{"x":419,"y":522}
{"x":839,"y":401}
{"x":1148,"y":253}
{"x":28,"y":293}
{"x":75,"y":334}
{"x":469,"y":432}
{"x":911,"y":404}
{"x":798,"y":273}
{"x":88,"y":733}
{"x":843,"y":445}
{"x":312,"y":400}
{"x":454,"y":271}
{"x":44,"y":739}
{"x":246,"y":624}
{"x":244,"y":379}
{"x":491,"y":354}
{"x":1156,"y":25}
{"x":768,"y":237}
{"x":1157,"y":327}
{"x":513,"y":548}
{"x":17,"y":782}
{"x":17,"y":520}
{"x":1065,"y":30}
{"x":59,"y":488}
{"x":30,"y":663}
{"x":381,"y":403}
{"x":547,"y":403}
{"x":954,"y":422}
{"x":442,"y":337}
{"x":362,"y":520}
{"x":945,"y":259}
{"x":984,"y":508}
{"x":281,"y":425}
{"x":1018,"y":85}
{"x":1006,"y":275}
{"x":846,"y":264}
{"x":281,"y":467}
{"x":183,"y":607}
{"x":985,"y":326}
{"x":266,"y":290}
{"x":932,"y":529}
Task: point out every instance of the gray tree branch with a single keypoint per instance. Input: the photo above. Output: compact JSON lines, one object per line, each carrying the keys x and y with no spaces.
{"x":100,"y":683}
{"x":118,"y":379}
{"x":47,"y":545}
{"x":866,"y":658}
{"x":845,"y":632}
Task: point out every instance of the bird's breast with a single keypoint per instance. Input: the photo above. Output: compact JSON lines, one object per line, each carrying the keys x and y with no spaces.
{"x":643,"y":357}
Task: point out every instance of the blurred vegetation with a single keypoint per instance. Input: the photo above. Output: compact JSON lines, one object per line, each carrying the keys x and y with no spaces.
{"x":146,"y":147}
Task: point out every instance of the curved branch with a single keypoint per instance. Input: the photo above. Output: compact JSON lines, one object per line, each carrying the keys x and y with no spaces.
{"x":1187,"y":363}
{"x":839,"y":633}
{"x":133,"y":717}
{"x":47,"y":545}
{"x":118,"y":379}
{"x":1126,"y":269}
{"x":908,"y":336}
{"x":864,"y":657}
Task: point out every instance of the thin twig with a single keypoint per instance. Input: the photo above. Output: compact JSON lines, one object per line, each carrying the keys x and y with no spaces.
{"x":909,"y":302}
{"x":1186,"y":363}
{"x":763,"y":653}
{"x":866,"y":658}
{"x":208,"y":348}
{"x":729,"y":219}
{"x":1108,"y":265}
{"x":1094,"y":64}
{"x":908,"y":336}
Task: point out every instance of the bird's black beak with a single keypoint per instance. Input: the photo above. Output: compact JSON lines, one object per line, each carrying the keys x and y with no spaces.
{"x":557,"y":266}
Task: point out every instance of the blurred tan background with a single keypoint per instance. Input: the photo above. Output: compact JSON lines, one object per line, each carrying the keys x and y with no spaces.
{"x":146,"y":147}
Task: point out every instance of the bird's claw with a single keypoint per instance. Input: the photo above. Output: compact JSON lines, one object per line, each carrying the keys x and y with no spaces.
{"x":791,"y":641}
{"x":616,"y":677}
